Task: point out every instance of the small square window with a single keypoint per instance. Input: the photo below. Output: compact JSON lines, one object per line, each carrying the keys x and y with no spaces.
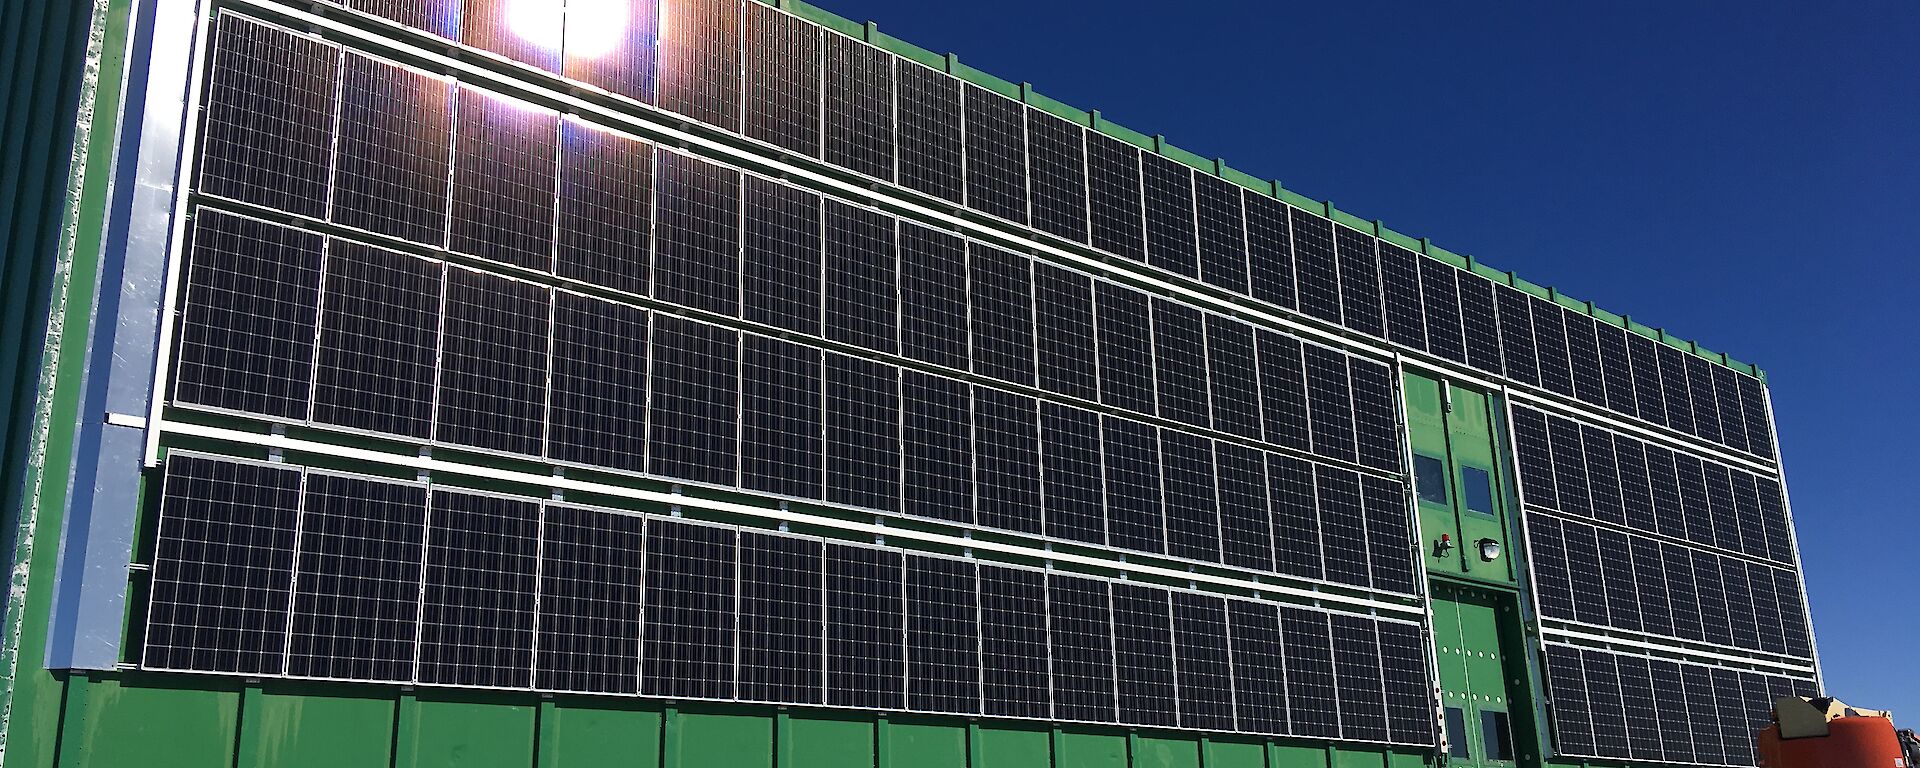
{"x":1494,"y":735}
{"x":1476,"y":489}
{"x":1430,"y":475}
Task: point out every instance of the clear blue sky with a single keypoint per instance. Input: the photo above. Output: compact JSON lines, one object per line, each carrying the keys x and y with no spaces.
{"x":1741,"y":174}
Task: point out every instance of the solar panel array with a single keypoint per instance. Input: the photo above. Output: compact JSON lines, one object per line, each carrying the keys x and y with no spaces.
{"x":275,"y":570}
{"x":1630,"y":535}
{"x":1626,"y":706}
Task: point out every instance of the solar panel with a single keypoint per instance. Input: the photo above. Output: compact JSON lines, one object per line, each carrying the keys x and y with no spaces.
{"x":1699,"y":518}
{"x":1192,"y":509}
{"x":1766,"y":608}
{"x":1643,"y":362}
{"x":1584,"y":563}
{"x":1552,"y":582}
{"x":356,"y":600}
{"x":1316,"y":271}
{"x":1307,"y":643}
{"x":689,"y":643}
{"x":943,"y":636}
{"x":270,"y":92}
{"x":1696,"y":684}
{"x":1357,"y":677}
{"x":781,"y":422}
{"x":1583,"y":357}
{"x":1637,"y":694}
{"x":1114,"y":200}
{"x":1572,"y":714}
{"x":1673,"y":386}
{"x":435,"y":16}
{"x":1329,"y":402}
{"x":476,"y":606}
{"x":1014,"y":659}
{"x":1773,"y":511}
{"x":933,"y":296}
{"x":1168,"y":192}
{"x":1571,"y":484}
{"x":1604,"y":694}
{"x":1715,"y":620}
{"x":248,"y":324}
{"x":1343,"y":526}
{"x":1720,"y":504}
{"x":1376,"y":414}
{"x":782,"y":78}
{"x":1664,"y":479}
{"x":1246,"y":524}
{"x":1682,"y":592}
{"x":1400,"y":292}
{"x":1650,"y":586}
{"x":596,"y":411}
{"x":1259,"y":666}
{"x":700,"y":60}
{"x":1283,"y":390}
{"x":1006,"y":448}
{"x":1296,"y":517}
{"x":502,"y":27}
{"x":930,"y":132}
{"x":1222,"y":232}
{"x":1726,"y":395}
{"x":222,"y":567}
{"x":1200,"y":650}
{"x":1706,"y":410}
{"x":605,"y":208}
{"x":862,"y":294}
{"x":1635,"y":490}
{"x":996,"y":154}
{"x":780,"y":257}
{"x":1180,"y":362}
{"x":1550,"y":342}
{"x":1616,"y":577}
{"x":1359,"y":269}
{"x":1143,"y":655}
{"x":1535,"y":456}
{"x":1746,"y":505}
{"x":591,"y":585}
{"x":936,"y":451}
{"x":505,"y":153}
{"x":493,"y":362}
{"x":379,"y":337}
{"x":1001,"y":288}
{"x":863,"y":433}
{"x":1517,"y":352}
{"x":1793,"y":614}
{"x":1440,"y":308}
{"x":694,"y":404}
{"x":625,"y":62}
{"x":866,"y":628}
{"x":1071,"y":473}
{"x":1479,"y":319}
{"x":1125,"y":347}
{"x":1730,"y":704}
{"x":1080,"y":640}
{"x":1615,"y":368}
{"x":696,"y":260}
{"x":1131,"y":453}
{"x":782,"y":621}
{"x":1269,"y":250}
{"x":859,"y":107}
{"x":1057,"y":175}
{"x":1063,"y":331}
{"x":393,"y":150}
{"x":1753,"y":406}
{"x":1603,"y":474}
{"x":1233,"y":376}
{"x":1389,"y":535}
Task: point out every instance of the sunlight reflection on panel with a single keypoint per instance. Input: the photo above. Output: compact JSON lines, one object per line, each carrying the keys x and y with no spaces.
{"x":527,"y":31}
{"x":441,"y":17}
{"x":611,"y":44}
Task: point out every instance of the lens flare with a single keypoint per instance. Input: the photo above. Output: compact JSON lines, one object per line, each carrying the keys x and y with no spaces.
{"x":536,"y":21}
{"x":596,"y":28}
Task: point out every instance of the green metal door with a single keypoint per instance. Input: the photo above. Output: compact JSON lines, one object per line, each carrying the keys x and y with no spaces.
{"x":1459,"y":479}
{"x":1479,"y":676}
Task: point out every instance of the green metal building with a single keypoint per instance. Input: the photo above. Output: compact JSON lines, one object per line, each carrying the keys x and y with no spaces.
{"x":722,"y":383}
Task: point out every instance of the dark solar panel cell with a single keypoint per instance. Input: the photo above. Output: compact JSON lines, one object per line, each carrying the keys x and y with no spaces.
{"x":1171,"y":243}
{"x":696,"y":260}
{"x":933,"y":296}
{"x":252,"y":308}
{"x":1637,"y":695}
{"x":1706,"y":409}
{"x":1343,"y":526}
{"x":393,"y":153}
{"x":1583,"y":356}
{"x":780,"y":278}
{"x":1131,"y":453}
{"x":1359,"y":268}
{"x":1001,"y":287}
{"x":1329,"y":402}
{"x":866,"y":628}
{"x":1703,"y":730}
{"x":1403,"y":662}
{"x":782,"y":626}
{"x":1072,"y":482}
{"x":1583,"y":564}
{"x":222,"y":567}
{"x":597,"y":412}
{"x":1143,"y":655}
{"x":1400,"y":291}
{"x":1552,"y":582}
{"x":1572,"y":713}
{"x":781,"y":390}
{"x":996,"y":154}
{"x":1233,"y":377}
{"x":605,"y":208}
{"x":1635,"y":492}
{"x":269,"y":94}
{"x":590,"y":591}
{"x":1013,"y":642}
{"x":1269,"y":250}
{"x":1246,"y":525}
{"x":1570,"y":467}
{"x":1306,"y":640}
{"x":943,"y":636}
{"x":1535,"y":455}
{"x":1283,"y":390}
{"x":1222,"y":232}
{"x":1356,"y":675}
{"x":1676,"y":738}
{"x":1126,"y":347}
{"x":937,"y":454}
{"x":1517,"y":351}
{"x":1259,"y":667}
{"x":1682,"y":592}
{"x":1734,"y":716}
{"x":1700,"y":523}
{"x":1440,"y":306}
{"x":1650,"y":584}
{"x":1793,"y":614}
{"x":1616,"y":369}
{"x":1673,"y":386}
{"x":1317,"y":274}
{"x":1550,"y":341}
{"x":379,"y":339}
{"x":1773,"y":512}
{"x":1727,"y":533}
{"x":1063,"y":330}
{"x":930,"y":132}
{"x":1113,"y":187}
{"x":700,"y":61}
{"x":1710,"y":583}
{"x":476,"y":608}
{"x":689,"y":645}
{"x":1180,"y":362}
{"x":1006,"y":448}
{"x":1479,"y":318}
{"x":1296,"y":517}
{"x":1730,"y":415}
{"x":1766,"y":608}
{"x":1644,"y":364}
{"x":1670,"y":512}
{"x":859,"y":107}
{"x":1057,"y":154}
{"x":1753,"y":406}
{"x":1604,"y":696}
{"x":863,"y":433}
{"x":1617,"y":577}
{"x":694,"y":411}
{"x":862,"y":294}
{"x":493,"y":362}
{"x":782,"y":103}
{"x":356,"y":604}
{"x":504,"y":172}
{"x":1746,"y":505}
{"x":624,"y":63}
{"x":1080,"y":639}
{"x":1389,"y":535}
{"x":1192,"y":509}
{"x":1376,"y":414}
{"x":1603,"y":474}
{"x":1200,"y":649}
{"x":433,"y":16}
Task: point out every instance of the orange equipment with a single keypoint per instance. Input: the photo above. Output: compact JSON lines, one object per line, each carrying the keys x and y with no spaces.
{"x":1823,"y":733}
